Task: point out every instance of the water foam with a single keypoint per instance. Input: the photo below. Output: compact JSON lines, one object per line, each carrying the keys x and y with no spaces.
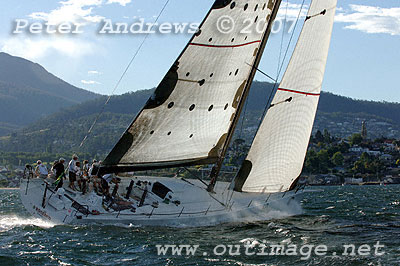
{"x":12,"y":221}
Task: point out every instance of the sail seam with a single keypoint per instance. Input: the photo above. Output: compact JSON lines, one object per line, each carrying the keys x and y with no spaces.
{"x":224,"y":46}
{"x":300,"y":92}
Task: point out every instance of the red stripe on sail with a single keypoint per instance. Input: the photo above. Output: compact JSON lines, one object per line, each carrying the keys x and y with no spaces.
{"x":300,"y":92}
{"x":223,"y":46}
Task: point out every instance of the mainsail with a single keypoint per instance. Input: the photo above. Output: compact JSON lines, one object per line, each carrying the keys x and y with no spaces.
{"x":191,"y":113}
{"x":276,"y":158}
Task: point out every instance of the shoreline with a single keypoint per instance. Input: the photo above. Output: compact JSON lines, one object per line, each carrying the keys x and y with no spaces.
{"x":9,"y":188}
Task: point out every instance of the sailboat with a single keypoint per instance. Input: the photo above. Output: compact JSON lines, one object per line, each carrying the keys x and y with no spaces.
{"x":190,"y":120}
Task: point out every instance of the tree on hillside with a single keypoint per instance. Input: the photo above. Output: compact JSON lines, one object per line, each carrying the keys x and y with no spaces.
{"x":375,"y":166}
{"x":344,"y":147}
{"x":319,"y":137}
{"x":365,"y":157}
{"x":359,"y":167}
{"x":327,"y":136}
{"x":397,"y":143}
{"x":356,"y":139}
{"x":368,"y":164}
{"x":311,"y":164}
{"x":338,"y":159}
{"x":3,"y":183}
{"x":324,"y":161}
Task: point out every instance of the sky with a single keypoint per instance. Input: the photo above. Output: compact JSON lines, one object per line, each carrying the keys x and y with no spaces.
{"x":363,"y":63}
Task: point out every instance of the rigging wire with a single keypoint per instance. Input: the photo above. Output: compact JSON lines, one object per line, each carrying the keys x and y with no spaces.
{"x":123,"y":75}
{"x":262,"y":72}
{"x":291,"y":38}
{"x":281,"y":66}
{"x":283,"y":35}
{"x":194,"y":175}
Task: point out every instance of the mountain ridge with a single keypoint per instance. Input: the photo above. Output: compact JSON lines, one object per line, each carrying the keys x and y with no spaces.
{"x":29,"y":92}
{"x":64,"y":130}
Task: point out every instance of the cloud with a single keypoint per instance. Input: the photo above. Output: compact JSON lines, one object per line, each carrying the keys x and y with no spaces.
{"x":368,"y":19}
{"x":70,"y":11}
{"x":121,"y":2}
{"x":371,"y":19}
{"x":74,"y":11}
{"x":38,"y":48}
{"x":94,"y":72}
{"x":90,"y":82}
{"x":291,"y":11}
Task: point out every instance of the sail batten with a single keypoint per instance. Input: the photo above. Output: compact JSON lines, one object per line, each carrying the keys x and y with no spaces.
{"x":189,"y":117}
{"x":275,"y":160}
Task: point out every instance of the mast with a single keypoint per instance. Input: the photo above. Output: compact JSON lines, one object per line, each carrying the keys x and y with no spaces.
{"x":217,"y":167}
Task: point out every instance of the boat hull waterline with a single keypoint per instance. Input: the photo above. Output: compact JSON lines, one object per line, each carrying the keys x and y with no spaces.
{"x":196,"y":206}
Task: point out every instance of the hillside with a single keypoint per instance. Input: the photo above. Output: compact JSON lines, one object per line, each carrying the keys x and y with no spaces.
{"x":64,"y":130}
{"x":29,"y":92}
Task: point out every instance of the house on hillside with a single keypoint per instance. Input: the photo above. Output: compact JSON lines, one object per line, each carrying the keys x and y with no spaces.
{"x":392,"y":177}
{"x":356,"y":149}
{"x":3,"y":169}
{"x":353,"y":180}
{"x":374,"y":153}
{"x":389,"y":147}
{"x":386,"y":157}
{"x":19,"y":170}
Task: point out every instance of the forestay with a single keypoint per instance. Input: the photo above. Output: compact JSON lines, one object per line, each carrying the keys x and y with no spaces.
{"x":187,"y":119}
{"x":276,"y":158}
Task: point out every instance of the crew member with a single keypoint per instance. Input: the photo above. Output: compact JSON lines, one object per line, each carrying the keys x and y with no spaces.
{"x":72,"y":171}
{"x":41,"y":170}
{"x":59,"y":172}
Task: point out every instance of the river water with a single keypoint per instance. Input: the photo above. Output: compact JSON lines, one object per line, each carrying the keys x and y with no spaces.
{"x":334,"y":217}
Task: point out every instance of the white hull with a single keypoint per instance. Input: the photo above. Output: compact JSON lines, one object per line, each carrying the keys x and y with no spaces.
{"x":197,"y":207}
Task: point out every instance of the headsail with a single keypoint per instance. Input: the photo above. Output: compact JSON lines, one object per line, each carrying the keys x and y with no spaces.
{"x":276,"y":158}
{"x":188,"y":118}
